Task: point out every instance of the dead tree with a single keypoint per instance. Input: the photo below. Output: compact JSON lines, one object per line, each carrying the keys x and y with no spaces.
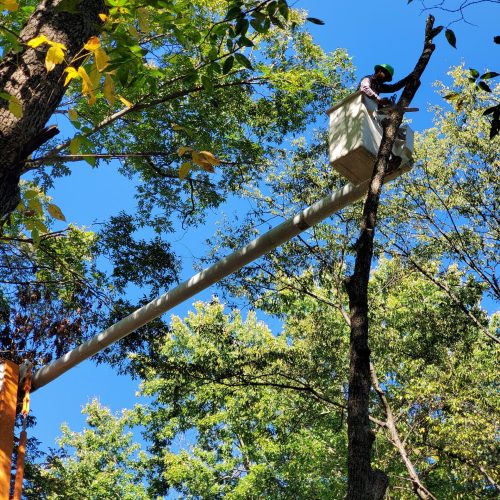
{"x":365,"y":483}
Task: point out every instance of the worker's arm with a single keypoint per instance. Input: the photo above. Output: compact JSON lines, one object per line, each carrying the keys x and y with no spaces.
{"x":387,"y":88}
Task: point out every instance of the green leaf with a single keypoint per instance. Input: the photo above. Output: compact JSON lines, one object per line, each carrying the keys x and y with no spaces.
{"x":491,"y":110}
{"x":283,"y":8}
{"x":245,"y":42}
{"x":484,"y":86}
{"x":30,"y":193}
{"x":315,"y":20}
{"x":489,"y":75}
{"x":35,"y":236}
{"x":474,"y":73}
{"x":68,"y":6}
{"x":207,"y":83}
{"x":258,"y":26}
{"x":452,"y":39}
{"x":74,"y":145}
{"x":55,"y":212}
{"x":35,"y":205}
{"x":228,"y":64}
{"x":495,"y":128}
{"x":243,"y":60}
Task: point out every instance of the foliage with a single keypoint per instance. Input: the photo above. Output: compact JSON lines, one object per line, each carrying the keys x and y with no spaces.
{"x":100,"y":462}
{"x":181,"y":89}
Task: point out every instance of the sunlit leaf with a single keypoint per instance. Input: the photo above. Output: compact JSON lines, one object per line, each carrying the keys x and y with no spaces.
{"x":184,"y":170}
{"x":35,"y":42}
{"x":208,"y":156}
{"x":92,"y":44}
{"x":202,"y":162}
{"x":10,"y":5}
{"x":103,"y":17}
{"x":108,"y":89}
{"x":183,"y":150}
{"x":142,"y":18}
{"x":55,"y":55}
{"x":87,"y":88}
{"x":125,"y":101}
{"x":72,"y":115}
{"x":71,"y":73}
{"x":74,"y":145}
{"x":15,"y":106}
{"x":55,"y":212}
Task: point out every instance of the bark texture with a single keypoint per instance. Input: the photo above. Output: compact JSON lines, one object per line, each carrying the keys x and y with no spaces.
{"x":365,"y":483}
{"x":25,"y":76}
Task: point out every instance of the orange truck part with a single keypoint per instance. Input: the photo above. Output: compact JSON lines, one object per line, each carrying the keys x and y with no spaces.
{"x":9,"y":379}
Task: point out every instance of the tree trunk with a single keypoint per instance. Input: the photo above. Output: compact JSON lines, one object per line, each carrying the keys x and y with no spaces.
{"x":25,"y":76}
{"x":365,"y":483}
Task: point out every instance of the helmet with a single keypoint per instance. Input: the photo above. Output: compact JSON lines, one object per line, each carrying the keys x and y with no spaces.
{"x":387,"y":69}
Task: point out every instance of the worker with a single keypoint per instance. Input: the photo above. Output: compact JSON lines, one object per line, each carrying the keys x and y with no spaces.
{"x":372,"y":86}
{"x":375,"y":84}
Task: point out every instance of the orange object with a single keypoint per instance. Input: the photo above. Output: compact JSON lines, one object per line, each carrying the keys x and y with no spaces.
{"x":9,"y":379}
{"x":21,"y":450}
{"x":21,"y":454}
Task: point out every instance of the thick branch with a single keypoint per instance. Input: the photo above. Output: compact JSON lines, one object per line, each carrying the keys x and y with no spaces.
{"x":363,"y":481}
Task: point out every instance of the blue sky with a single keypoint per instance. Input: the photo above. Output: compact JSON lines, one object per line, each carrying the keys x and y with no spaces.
{"x":372,"y":32}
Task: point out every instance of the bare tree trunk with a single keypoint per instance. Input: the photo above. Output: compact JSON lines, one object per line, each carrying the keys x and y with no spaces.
{"x":365,"y":483}
{"x":25,"y":76}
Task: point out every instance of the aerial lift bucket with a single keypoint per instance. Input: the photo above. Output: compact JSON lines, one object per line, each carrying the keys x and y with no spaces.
{"x":355,"y":133}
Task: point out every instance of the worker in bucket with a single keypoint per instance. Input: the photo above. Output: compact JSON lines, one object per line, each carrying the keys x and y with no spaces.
{"x":375,"y":84}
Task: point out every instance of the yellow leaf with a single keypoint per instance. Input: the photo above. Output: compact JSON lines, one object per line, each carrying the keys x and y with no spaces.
{"x":200,"y":160}
{"x":183,"y":150}
{"x":57,"y":45}
{"x":15,"y":106}
{"x":208,"y":156}
{"x":41,"y":226}
{"x":86,"y":85}
{"x":177,"y":127}
{"x":94,"y":76}
{"x":35,"y":42}
{"x":101,"y":59}
{"x":127,"y":103}
{"x":74,"y":145}
{"x":72,"y":73}
{"x":108,"y":89}
{"x":55,"y":211}
{"x":36,"y":205}
{"x":142,"y":17}
{"x":184,"y":170}
{"x":103,"y":17}
{"x":92,"y":44}
{"x":55,"y":55}
{"x":72,"y":115}
{"x":10,"y":5}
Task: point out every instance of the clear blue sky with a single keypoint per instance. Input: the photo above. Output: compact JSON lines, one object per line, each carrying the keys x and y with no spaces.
{"x":372,"y":32}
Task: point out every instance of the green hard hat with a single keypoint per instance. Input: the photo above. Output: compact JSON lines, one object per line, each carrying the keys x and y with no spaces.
{"x":387,"y":69}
